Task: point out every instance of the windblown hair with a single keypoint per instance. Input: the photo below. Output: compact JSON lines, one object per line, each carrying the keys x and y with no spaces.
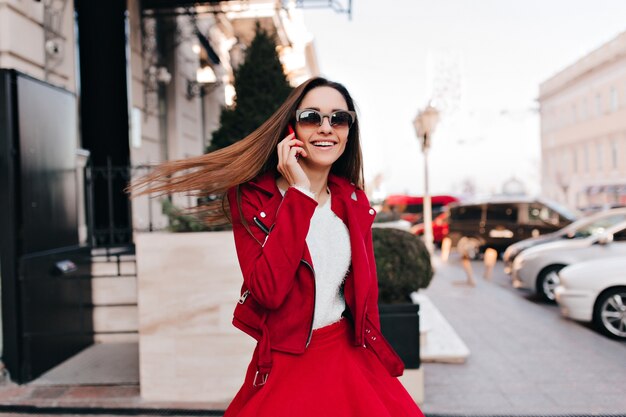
{"x":214,"y":173}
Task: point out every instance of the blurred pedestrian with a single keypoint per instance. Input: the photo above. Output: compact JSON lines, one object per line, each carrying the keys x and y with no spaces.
{"x":302,"y":230}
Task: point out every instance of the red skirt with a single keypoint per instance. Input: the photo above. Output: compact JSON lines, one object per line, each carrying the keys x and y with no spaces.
{"x":332,"y":378}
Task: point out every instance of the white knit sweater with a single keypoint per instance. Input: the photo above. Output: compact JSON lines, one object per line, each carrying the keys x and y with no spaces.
{"x":329,"y":244}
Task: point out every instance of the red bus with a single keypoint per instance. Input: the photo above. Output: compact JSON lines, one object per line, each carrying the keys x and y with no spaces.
{"x":411,"y":208}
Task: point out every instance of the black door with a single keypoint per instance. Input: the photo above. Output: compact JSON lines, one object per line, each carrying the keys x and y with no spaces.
{"x":46,"y":290}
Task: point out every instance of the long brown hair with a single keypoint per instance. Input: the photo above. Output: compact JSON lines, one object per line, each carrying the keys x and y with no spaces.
{"x":214,"y":173}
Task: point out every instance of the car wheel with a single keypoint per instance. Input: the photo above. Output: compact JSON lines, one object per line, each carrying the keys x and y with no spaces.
{"x":609,"y":313}
{"x":547,"y":281}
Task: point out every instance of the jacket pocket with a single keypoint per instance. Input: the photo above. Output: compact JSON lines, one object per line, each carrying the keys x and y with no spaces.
{"x":249,"y":315}
{"x":375,"y":341}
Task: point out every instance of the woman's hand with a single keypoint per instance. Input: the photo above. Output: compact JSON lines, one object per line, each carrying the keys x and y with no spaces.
{"x":288,"y":150}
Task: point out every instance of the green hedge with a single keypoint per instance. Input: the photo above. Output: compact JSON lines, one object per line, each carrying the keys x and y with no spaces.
{"x":181,"y":222}
{"x":402,"y":264}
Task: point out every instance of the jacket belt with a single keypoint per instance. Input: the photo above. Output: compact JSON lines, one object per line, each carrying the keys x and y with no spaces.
{"x":264,"y":363}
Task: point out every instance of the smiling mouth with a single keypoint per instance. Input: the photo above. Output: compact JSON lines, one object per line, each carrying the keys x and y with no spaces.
{"x":323,"y":144}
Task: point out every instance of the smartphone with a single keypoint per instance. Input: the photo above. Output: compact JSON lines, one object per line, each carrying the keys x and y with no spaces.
{"x":290,"y":129}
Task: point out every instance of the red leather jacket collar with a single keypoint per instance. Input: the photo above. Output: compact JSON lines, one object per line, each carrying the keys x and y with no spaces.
{"x":339,"y":188}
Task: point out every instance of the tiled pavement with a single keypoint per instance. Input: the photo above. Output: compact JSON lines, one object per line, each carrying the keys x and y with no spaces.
{"x":52,"y":399}
{"x":525,"y":360}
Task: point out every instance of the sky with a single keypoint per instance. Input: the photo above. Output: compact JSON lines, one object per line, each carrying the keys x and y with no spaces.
{"x":481,"y":61}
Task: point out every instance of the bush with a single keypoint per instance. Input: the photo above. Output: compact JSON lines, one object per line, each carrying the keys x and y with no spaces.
{"x":402,"y":264}
{"x":386,"y":216}
{"x":181,"y":222}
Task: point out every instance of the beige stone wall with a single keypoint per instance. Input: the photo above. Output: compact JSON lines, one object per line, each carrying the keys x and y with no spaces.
{"x":149,"y":144}
{"x":22,"y":41}
{"x":188,"y":287}
{"x":583,"y":128}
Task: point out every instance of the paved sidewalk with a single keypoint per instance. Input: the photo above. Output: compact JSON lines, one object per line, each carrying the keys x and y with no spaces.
{"x":525,"y":358}
{"x":92,"y":399}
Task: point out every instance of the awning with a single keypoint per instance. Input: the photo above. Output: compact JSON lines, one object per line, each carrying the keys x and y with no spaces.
{"x":170,"y":4}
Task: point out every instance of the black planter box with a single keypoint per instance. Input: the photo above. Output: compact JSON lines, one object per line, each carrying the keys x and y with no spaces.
{"x":400,"y":325}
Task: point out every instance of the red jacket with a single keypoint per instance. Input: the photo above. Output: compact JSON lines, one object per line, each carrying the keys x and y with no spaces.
{"x":278,"y":292}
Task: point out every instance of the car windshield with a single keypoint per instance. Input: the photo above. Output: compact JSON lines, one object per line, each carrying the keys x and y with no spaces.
{"x":596,"y":227}
{"x":564,"y":211}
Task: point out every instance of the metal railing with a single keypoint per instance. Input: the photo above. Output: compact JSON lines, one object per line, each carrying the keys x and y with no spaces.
{"x":109,"y":210}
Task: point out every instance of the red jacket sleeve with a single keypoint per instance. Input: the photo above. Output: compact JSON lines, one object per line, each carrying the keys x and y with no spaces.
{"x":372,"y":302}
{"x":269,"y":270}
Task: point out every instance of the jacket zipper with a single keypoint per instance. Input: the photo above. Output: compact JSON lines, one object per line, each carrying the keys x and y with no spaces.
{"x":308,"y":341}
{"x":264,"y":228}
{"x":267,"y":232}
{"x":363,"y":324}
{"x":243,"y":297}
{"x":261,"y":225}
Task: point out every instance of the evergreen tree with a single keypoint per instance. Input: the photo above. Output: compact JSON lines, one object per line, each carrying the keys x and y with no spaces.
{"x":260,"y":87}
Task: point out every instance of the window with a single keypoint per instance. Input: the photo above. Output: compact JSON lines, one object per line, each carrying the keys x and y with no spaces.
{"x":473,"y":213}
{"x":502,"y":213}
{"x":584,"y":114}
{"x":599,"y":156}
{"x":614,"y":153}
{"x":540,"y":214}
{"x":586,"y":153}
{"x":598,"y":104}
{"x":614,"y":99}
{"x":575,"y":160}
{"x":619,"y":236}
{"x":437,"y":208}
{"x":135,"y":127}
{"x":574,"y":114}
{"x":596,"y":227}
{"x":414,"y":208}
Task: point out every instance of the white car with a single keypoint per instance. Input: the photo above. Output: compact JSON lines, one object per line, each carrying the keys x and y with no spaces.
{"x":595,"y":291}
{"x":537,"y":268}
{"x":579,"y":229}
{"x":394,"y":224}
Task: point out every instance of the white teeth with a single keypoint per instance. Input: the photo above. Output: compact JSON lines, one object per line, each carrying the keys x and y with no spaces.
{"x":323,"y":143}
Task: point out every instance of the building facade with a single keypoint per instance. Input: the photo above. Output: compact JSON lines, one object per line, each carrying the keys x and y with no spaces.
{"x":149,"y":80}
{"x":180,"y":64}
{"x":583,"y":130}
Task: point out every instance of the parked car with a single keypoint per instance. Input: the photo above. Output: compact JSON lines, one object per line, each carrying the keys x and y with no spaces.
{"x":595,"y":291}
{"x":498,"y":223}
{"x":410,"y":208}
{"x":394,"y":224}
{"x":537,"y":268}
{"x":581,"y":228}
{"x":440,"y":227}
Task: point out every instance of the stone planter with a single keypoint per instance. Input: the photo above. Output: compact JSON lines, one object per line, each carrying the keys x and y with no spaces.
{"x":188,"y":285}
{"x":401,"y":327}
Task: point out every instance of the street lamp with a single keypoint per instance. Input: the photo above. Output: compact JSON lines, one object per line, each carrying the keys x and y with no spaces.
{"x":424,"y":124}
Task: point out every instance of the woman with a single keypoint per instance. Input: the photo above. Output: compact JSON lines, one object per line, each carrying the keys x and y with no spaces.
{"x":302,"y":230}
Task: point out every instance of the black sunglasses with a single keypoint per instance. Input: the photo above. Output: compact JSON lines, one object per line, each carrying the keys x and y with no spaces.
{"x":314,"y":118}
